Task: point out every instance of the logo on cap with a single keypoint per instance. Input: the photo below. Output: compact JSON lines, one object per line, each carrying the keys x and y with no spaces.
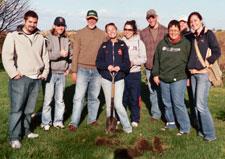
{"x":92,"y":14}
{"x":60,"y":21}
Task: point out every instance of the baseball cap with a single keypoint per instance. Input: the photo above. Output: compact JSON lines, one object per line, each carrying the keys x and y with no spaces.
{"x":150,"y":13}
{"x":183,"y":18}
{"x":92,"y":14}
{"x":60,"y":21}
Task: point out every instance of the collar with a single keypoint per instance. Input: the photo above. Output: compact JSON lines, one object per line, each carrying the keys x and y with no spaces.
{"x":19,"y":29}
{"x":90,"y":28}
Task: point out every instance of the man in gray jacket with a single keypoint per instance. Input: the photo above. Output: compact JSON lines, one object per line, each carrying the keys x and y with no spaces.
{"x":26,"y":61}
{"x":60,"y":54}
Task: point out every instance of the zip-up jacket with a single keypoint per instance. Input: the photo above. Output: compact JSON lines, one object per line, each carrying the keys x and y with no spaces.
{"x":205,"y":40}
{"x":170,"y":60}
{"x":137,"y":52}
{"x":20,"y":54}
{"x":115,"y":55}
{"x":58,"y":64}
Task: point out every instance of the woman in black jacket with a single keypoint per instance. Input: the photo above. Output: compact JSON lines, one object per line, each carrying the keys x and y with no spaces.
{"x":113,"y":58}
{"x":199,"y":75}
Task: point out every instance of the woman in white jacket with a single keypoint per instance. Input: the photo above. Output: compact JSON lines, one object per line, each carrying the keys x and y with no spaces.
{"x":137,"y":55}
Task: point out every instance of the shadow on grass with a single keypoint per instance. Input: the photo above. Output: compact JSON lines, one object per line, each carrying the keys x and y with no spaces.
{"x":68,"y":98}
{"x":122,"y":154}
{"x":1,"y":65}
{"x":145,"y":96}
{"x":220,"y":115}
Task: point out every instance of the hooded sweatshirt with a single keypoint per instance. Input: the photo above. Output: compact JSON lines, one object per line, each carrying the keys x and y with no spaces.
{"x":21,"y":54}
{"x":137,"y":52}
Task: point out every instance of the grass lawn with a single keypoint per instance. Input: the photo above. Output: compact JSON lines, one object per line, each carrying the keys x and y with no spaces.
{"x":57,"y":144}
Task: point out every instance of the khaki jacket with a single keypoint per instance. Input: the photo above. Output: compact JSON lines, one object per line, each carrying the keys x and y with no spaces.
{"x":20,"y":54}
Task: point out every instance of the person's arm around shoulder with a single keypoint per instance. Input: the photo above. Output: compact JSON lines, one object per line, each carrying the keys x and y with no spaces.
{"x":188,"y":48}
{"x":156,"y":66}
{"x":214,"y":46}
{"x":100,"y":59}
{"x":69,"y":57}
{"x":8,"y":57}
{"x":45,"y":58}
{"x":76,"y":52}
{"x":125,"y":65}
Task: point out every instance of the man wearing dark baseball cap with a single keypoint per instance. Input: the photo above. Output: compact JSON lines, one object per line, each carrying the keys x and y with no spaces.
{"x":87,"y":43}
{"x":92,"y":14}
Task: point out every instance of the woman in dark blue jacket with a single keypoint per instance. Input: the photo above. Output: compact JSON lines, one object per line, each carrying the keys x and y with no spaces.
{"x":199,"y":75}
{"x":113,"y":57}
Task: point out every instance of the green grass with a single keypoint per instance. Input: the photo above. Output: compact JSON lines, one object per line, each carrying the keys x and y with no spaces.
{"x":59,"y":144}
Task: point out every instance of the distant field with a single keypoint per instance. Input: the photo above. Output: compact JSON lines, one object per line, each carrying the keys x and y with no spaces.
{"x":220,"y":36}
{"x":221,"y":40}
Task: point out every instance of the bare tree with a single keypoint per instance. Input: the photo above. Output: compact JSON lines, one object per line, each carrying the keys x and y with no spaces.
{"x":11,"y":13}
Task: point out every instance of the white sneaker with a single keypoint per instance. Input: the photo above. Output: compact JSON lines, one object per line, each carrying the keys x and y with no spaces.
{"x":46,"y":127}
{"x":128,"y":131}
{"x":15,"y":144}
{"x":32,"y":135}
{"x":117,"y":125}
{"x":58,"y":125}
{"x":134,"y":124}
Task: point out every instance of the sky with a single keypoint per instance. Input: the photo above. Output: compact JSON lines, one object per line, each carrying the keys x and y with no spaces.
{"x":119,"y":11}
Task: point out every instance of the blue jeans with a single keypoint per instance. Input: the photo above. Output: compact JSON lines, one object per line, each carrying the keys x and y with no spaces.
{"x":132,"y":93}
{"x":54,"y":87}
{"x":173,"y":100}
{"x":87,"y":80}
{"x":154,"y":96}
{"x":120,"y":109}
{"x":200,"y":87}
{"x":23,"y":94}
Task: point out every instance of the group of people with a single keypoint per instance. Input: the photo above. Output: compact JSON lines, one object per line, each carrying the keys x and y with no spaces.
{"x":168,"y":54}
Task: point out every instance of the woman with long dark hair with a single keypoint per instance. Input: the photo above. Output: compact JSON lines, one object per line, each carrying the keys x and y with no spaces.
{"x":200,"y":83}
{"x":137,"y":56}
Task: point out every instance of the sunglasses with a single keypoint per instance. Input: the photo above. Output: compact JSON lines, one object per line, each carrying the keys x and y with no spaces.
{"x":125,"y":29}
{"x":151,"y":16}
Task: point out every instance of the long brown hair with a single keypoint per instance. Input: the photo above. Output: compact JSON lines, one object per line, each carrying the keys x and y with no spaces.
{"x":53,"y":32}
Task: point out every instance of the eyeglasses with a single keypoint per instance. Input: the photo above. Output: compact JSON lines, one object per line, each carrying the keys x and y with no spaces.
{"x":125,"y":29}
{"x":173,"y":31}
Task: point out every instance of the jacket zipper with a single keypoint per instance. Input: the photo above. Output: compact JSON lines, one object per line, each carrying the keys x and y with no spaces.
{"x":113,"y":53}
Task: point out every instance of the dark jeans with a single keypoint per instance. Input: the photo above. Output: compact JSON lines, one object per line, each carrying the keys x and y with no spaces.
{"x":132,"y":93}
{"x":23,"y":94}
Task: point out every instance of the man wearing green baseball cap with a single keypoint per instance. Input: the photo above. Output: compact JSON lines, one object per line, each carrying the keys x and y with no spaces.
{"x":87,"y":43}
